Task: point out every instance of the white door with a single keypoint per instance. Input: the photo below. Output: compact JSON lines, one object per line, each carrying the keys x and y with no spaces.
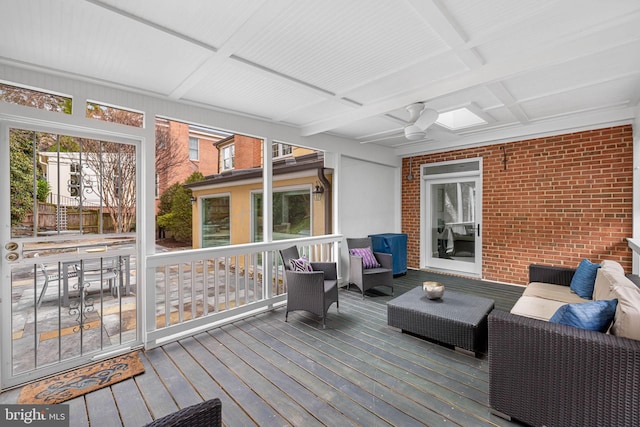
{"x":69,"y":256}
{"x":452,"y":205}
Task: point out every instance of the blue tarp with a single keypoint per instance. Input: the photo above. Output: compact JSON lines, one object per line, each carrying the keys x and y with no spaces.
{"x":394,"y":244}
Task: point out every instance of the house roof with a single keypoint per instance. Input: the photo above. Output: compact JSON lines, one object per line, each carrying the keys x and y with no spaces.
{"x":288,"y":165}
{"x":350,"y":68}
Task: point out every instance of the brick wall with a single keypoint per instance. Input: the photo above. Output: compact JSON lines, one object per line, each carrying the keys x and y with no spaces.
{"x":248,"y":152}
{"x":561,"y":199}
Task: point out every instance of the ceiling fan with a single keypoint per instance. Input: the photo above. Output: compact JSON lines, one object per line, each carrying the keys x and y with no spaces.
{"x":420,"y":118}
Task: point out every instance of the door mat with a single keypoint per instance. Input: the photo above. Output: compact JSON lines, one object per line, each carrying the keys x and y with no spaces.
{"x":83,"y":380}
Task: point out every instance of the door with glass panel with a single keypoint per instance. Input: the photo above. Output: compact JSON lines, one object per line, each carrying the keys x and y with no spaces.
{"x":69,"y":288}
{"x":452,"y":223}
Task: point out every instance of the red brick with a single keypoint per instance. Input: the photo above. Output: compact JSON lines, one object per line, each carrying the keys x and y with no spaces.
{"x":561,"y":199}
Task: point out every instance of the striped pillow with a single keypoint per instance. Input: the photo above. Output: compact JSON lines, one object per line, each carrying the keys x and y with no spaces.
{"x":368,"y":259}
{"x":301,"y":264}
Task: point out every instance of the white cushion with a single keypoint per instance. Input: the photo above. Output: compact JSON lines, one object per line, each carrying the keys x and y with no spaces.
{"x":553,"y":292}
{"x":611,"y":265}
{"x":627,"y":319}
{"x":537,"y":308}
{"x":606,"y":279}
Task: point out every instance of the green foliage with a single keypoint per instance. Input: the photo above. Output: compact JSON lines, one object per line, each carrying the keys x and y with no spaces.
{"x":194,"y":177}
{"x":166,"y":198}
{"x":175,"y":211}
{"x":182,"y":215}
{"x":165,"y":221}
{"x":21,"y":175}
{"x":43,"y":189}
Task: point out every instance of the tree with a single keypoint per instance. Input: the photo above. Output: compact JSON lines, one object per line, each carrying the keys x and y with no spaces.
{"x":179,"y":220}
{"x":114,"y":166}
{"x":21,"y":174}
{"x":32,"y":98}
{"x":168,"y":153}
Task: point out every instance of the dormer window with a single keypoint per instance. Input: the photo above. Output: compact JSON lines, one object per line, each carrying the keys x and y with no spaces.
{"x":228,"y":156}
{"x":281,"y":150}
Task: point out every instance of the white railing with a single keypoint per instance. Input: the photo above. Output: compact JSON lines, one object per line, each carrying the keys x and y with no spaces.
{"x":189,"y":291}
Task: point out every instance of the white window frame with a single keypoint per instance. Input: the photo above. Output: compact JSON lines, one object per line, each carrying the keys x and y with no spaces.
{"x":225,"y":157}
{"x":279,"y":150}
{"x":194,"y":147}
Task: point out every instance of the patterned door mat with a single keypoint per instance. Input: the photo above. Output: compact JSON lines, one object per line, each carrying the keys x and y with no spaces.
{"x":75,"y":383}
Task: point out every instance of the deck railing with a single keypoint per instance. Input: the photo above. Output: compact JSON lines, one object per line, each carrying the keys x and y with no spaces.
{"x":192,"y":290}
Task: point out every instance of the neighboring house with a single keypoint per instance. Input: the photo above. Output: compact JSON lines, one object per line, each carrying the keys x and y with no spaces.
{"x":68,"y":178}
{"x":183,"y":149}
{"x":228,"y":205}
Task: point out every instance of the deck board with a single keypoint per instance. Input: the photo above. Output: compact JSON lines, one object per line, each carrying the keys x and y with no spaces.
{"x":297,"y":366}
{"x":357,"y":371}
{"x":101,"y":408}
{"x":131,"y":407}
{"x":157,"y":397}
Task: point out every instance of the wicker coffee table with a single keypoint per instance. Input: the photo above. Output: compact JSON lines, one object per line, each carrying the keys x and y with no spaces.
{"x":456,"y":319}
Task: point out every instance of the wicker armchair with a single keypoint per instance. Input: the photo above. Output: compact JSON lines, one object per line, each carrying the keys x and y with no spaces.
{"x":312,"y":291}
{"x":367,"y":278}
{"x":204,"y":414}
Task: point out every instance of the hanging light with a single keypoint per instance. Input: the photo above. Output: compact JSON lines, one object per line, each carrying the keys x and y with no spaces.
{"x":318,"y":191}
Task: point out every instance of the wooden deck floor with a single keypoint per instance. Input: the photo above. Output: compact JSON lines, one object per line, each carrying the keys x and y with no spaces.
{"x":267,"y":372}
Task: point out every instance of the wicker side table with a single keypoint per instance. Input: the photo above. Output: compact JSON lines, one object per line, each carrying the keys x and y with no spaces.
{"x":455,"y":319}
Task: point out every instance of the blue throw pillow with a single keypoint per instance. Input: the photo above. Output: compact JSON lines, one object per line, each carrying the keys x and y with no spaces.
{"x":594,"y":316}
{"x":584,"y":279}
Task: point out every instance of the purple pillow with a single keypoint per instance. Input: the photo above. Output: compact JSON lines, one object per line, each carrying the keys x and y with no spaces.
{"x":368,"y":259}
{"x":301,"y":264}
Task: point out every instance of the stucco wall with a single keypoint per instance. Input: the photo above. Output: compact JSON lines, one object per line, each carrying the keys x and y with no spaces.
{"x":241,"y":208}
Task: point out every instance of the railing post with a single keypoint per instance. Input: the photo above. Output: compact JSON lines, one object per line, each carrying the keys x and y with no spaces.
{"x":267,"y":277}
{"x":149,"y":301}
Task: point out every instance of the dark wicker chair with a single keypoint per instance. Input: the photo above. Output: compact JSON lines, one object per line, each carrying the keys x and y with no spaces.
{"x":367,"y":278}
{"x":548,"y":374}
{"x":204,"y":414}
{"x":313,"y":291}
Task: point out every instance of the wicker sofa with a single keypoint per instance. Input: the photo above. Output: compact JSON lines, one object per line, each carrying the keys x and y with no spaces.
{"x":548,"y":374}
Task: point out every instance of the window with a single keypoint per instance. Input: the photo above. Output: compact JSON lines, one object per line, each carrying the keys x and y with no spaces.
{"x":74,"y":180}
{"x":115,"y":115}
{"x":281,"y":150}
{"x":460,"y":119}
{"x":291,"y":214}
{"x":228,"y":157}
{"x":34,"y":98}
{"x":157,"y":186}
{"x":216,"y":226}
{"x":194,"y":148}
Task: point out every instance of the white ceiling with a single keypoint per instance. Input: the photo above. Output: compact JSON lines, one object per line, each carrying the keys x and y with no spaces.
{"x":349,"y":67}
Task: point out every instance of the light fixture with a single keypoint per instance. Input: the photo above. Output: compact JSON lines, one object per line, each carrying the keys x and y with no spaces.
{"x":193,"y":199}
{"x":413,"y":132}
{"x":318,"y":191}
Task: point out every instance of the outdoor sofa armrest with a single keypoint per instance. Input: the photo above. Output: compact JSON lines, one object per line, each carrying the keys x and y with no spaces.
{"x":329,"y":268}
{"x":551,"y":274}
{"x":544,"y":373}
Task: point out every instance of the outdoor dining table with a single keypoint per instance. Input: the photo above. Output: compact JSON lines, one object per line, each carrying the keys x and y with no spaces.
{"x":78,"y":269}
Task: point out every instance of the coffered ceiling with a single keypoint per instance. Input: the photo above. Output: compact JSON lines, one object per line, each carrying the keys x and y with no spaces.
{"x":350,"y":67}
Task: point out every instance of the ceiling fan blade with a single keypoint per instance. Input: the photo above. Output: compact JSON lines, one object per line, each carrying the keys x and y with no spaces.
{"x":426,"y":119}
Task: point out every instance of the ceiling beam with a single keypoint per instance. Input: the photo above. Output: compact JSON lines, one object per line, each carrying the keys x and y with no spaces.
{"x":259,"y":20}
{"x":550,"y":53}
{"x":151,"y":24}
